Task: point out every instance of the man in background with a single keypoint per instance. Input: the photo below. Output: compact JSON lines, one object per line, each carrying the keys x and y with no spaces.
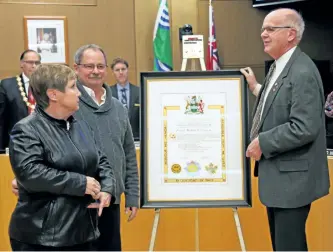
{"x":288,"y":132}
{"x":16,"y":100}
{"x":127,"y":93}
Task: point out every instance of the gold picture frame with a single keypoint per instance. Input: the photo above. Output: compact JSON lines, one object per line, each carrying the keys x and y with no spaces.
{"x":194,"y":135}
{"x":47,"y":35}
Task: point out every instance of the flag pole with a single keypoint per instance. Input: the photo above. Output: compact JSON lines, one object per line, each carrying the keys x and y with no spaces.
{"x":210,"y":39}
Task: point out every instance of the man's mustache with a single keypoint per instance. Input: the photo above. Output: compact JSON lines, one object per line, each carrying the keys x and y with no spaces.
{"x":95,"y":77}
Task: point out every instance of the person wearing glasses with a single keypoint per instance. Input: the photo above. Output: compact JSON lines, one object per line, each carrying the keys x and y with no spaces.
{"x":288,"y":132}
{"x":16,"y":100}
{"x":127,"y":93}
{"x":60,"y":171}
{"x":112,"y":130}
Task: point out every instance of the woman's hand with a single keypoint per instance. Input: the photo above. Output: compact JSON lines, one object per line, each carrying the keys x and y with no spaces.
{"x":93,"y":187}
{"x":104,"y":201}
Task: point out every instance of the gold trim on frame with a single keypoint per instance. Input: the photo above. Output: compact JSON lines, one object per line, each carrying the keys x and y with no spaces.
{"x":148,"y":81}
{"x":165,"y":130}
{"x":165,"y":141}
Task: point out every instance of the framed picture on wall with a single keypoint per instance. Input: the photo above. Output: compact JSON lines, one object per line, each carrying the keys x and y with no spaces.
{"x":194,"y":134}
{"x":47,"y":35}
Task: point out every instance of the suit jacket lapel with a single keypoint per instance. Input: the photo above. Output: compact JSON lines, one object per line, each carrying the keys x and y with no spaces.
{"x":270,"y":98}
{"x":22,"y":103}
{"x":114,"y":91}
{"x":277,"y":85}
{"x":132,"y":96}
{"x":258,"y":97}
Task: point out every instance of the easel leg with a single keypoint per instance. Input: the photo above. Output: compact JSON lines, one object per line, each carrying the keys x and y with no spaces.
{"x":239,"y":229}
{"x":154,"y":230}
{"x":197,"y":235}
{"x":202,"y":64}
{"x":184,"y":63}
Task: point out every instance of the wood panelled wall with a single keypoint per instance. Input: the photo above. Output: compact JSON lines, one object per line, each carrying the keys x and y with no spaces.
{"x":125,"y":28}
{"x":237,"y":29}
{"x":109,"y":24}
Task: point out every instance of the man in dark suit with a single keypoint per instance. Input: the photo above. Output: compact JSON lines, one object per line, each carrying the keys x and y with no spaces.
{"x":127,"y":93}
{"x":16,"y":102}
{"x":288,"y":132}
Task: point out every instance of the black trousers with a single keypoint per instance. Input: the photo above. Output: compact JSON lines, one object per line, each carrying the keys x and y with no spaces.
{"x":21,"y":246}
{"x":287,"y":228}
{"x":109,"y":227}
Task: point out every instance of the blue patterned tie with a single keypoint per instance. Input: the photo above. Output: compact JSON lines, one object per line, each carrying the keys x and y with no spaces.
{"x":123,"y":98}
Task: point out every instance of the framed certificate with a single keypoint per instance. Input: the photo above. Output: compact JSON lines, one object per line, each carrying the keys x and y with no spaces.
{"x":194,"y":134}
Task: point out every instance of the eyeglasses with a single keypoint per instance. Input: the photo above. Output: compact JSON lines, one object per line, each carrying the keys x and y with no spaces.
{"x":91,"y":67}
{"x":271,"y":29}
{"x":32,"y":62}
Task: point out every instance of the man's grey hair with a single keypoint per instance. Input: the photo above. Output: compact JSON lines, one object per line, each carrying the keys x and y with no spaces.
{"x":297,"y":22}
{"x":79,"y":53}
{"x":293,"y":19}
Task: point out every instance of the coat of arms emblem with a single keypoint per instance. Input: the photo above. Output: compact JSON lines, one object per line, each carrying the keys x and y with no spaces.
{"x":194,"y":105}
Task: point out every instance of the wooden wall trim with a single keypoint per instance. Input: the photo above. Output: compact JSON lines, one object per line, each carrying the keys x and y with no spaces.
{"x":52,"y":2}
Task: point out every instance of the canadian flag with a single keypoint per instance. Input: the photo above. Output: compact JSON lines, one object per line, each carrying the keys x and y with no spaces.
{"x":212,"y":60}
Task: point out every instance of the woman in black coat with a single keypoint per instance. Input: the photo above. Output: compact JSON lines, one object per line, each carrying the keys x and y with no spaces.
{"x":62,"y":177}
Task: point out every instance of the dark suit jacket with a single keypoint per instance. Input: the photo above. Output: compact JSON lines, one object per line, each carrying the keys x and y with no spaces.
{"x":134,"y":108}
{"x":12,"y":108}
{"x":293,"y":170}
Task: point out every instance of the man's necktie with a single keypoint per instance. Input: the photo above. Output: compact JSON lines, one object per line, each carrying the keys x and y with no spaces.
{"x":31,"y":100}
{"x":123,"y":97}
{"x":257,"y":115}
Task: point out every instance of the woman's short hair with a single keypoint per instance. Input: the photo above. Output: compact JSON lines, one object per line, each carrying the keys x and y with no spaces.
{"x":49,"y":76}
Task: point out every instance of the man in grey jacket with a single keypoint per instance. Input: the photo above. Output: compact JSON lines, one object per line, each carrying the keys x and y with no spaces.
{"x":112,"y":130}
{"x":288,"y":132}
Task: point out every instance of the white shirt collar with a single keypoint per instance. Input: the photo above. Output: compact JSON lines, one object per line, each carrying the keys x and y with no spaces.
{"x":26,"y":82}
{"x":280,"y":64}
{"x":91,"y":93}
{"x":283,"y":60}
{"x":121,"y":87}
{"x":25,"y":78}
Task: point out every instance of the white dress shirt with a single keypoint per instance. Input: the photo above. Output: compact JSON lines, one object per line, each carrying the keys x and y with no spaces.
{"x":91,"y":93}
{"x":280,"y":65}
{"x":26,"y":83}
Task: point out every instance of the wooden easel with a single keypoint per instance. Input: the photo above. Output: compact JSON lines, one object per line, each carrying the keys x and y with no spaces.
{"x":158,"y":210}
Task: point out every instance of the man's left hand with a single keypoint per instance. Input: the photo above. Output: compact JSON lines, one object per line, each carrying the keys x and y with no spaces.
{"x":14,"y":187}
{"x":133,"y":211}
{"x":253,"y":150}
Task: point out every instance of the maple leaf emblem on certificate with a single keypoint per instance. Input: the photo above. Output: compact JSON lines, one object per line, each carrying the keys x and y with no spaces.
{"x":211,"y":168}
